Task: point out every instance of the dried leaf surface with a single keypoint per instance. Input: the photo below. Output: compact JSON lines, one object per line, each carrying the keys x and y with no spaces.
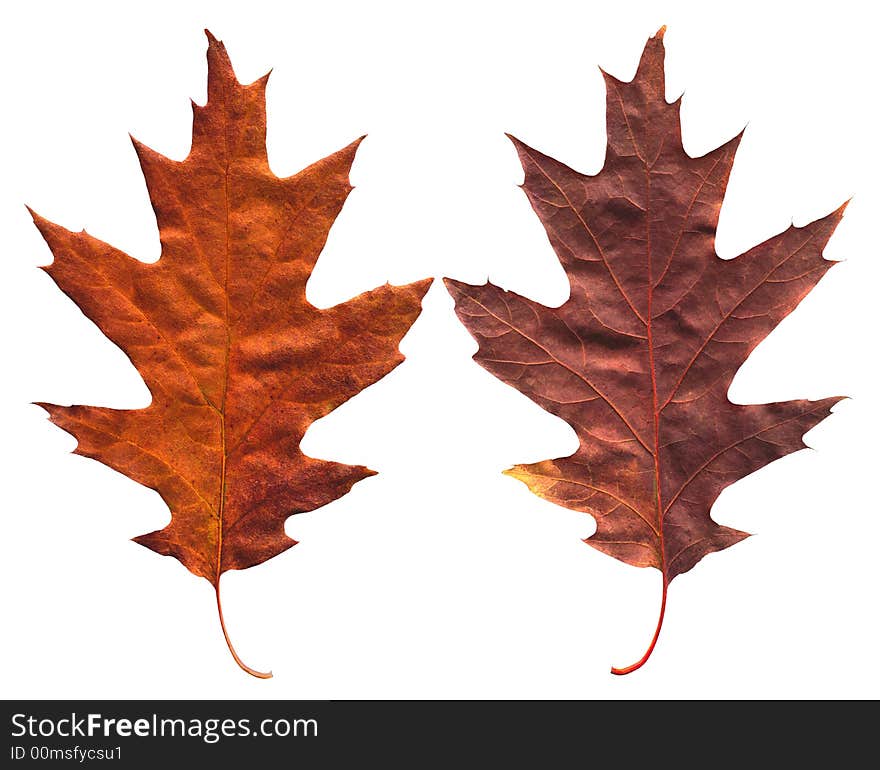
{"x":238,"y":363}
{"x":639,"y":359}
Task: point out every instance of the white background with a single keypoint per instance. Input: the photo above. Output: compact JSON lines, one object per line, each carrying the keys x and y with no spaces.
{"x":440,"y":577}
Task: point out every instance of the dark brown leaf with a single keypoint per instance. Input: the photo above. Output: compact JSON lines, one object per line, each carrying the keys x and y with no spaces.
{"x":639,"y":359}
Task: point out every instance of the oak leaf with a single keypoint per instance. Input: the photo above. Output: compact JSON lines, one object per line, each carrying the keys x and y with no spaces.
{"x":237,"y":361}
{"x":639,"y":359}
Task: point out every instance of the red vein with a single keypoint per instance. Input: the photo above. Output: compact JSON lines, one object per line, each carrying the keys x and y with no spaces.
{"x":728,"y":314}
{"x":592,"y":235}
{"x":688,"y":547}
{"x":576,"y":373}
{"x":656,"y":416}
{"x":599,"y":490}
{"x":632,"y":136}
{"x":687,"y":214}
{"x":734,"y":445}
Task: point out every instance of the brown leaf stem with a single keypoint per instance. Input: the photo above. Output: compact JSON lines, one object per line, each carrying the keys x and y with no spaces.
{"x":244,"y":666}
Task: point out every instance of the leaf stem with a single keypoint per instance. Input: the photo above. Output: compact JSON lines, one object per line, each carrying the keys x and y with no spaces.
{"x":644,"y":659}
{"x":241,"y":663}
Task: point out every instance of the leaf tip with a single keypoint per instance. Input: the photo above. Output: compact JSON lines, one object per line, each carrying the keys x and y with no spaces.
{"x":220,"y":72}
{"x":39,"y":220}
{"x":831,"y":402}
{"x":458,"y":290}
{"x":734,"y":142}
{"x":260,"y":83}
{"x":515,"y":472}
{"x":44,"y":226}
{"x":610,"y":79}
{"x":523,"y":151}
{"x":353,"y":147}
{"x":140,"y":147}
{"x":422,"y":286}
{"x":660,"y":33}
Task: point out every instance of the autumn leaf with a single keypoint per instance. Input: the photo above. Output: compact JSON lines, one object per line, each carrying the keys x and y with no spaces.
{"x":238,"y":363}
{"x":639,"y":359}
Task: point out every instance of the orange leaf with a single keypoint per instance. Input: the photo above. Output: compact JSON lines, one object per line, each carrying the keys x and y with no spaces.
{"x":238,"y":363}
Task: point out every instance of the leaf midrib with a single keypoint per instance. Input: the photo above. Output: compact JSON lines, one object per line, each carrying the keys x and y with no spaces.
{"x":223,"y":468}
